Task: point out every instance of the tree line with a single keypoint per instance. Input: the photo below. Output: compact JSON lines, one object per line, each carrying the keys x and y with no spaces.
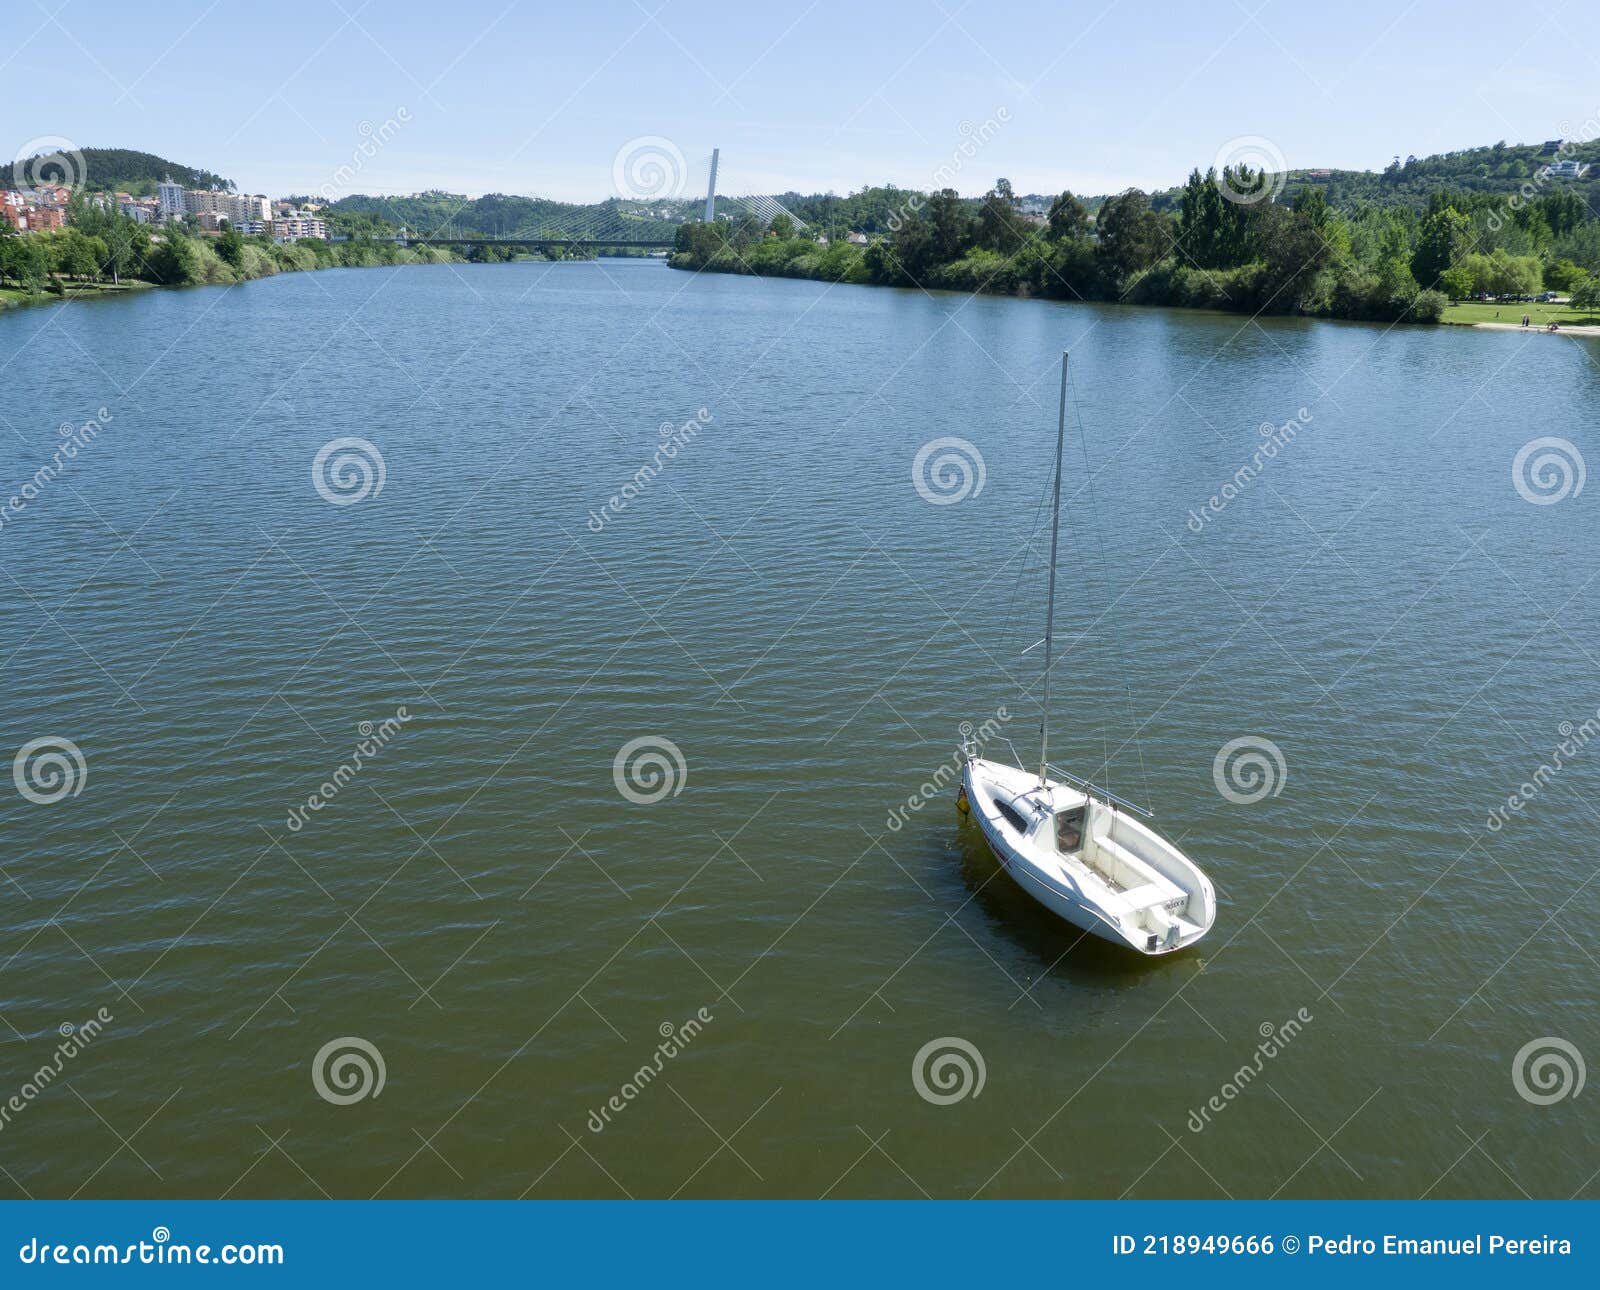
{"x":100,"y":245}
{"x":1228,"y":242}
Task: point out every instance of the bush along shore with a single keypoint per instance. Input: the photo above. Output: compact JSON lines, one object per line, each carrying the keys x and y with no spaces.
{"x":102,"y":252}
{"x":1228,"y":247}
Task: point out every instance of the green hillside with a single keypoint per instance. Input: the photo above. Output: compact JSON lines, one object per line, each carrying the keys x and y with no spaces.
{"x":113,"y":170}
{"x":1498,"y":170}
{"x":1501,"y":168}
{"x":497,"y":215}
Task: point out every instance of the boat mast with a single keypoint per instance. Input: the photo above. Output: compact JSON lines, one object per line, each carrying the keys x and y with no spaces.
{"x":1050,"y":600}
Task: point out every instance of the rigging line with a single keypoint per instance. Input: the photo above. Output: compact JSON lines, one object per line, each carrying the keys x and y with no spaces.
{"x":1076,"y":554}
{"x":1116,"y":640}
{"x":1027,"y":550}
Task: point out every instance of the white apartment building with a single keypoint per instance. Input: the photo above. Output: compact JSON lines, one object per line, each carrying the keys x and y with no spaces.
{"x":171,"y":198}
{"x":299,"y":224}
{"x":236,"y":208}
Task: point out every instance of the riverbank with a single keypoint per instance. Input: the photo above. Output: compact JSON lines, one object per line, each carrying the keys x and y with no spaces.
{"x":181,"y":261}
{"x":12,"y":297}
{"x":1075,"y":268}
{"x":1469,"y":313}
{"x":1564,"y":329}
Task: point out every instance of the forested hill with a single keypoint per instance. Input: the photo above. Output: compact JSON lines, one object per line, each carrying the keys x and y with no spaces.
{"x":492,"y":215}
{"x":1410,"y":183}
{"x":112,"y":170}
{"x":1501,"y":168}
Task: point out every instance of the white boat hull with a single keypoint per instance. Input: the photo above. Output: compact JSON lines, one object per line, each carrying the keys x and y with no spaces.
{"x":1122,"y":881}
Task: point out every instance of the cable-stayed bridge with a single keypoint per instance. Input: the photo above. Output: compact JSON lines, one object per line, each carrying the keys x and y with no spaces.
{"x":656,"y":191}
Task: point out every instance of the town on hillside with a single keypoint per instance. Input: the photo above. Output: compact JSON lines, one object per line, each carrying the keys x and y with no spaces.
{"x":213,"y":211}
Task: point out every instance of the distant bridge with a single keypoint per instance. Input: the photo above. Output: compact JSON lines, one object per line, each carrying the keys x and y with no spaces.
{"x":654,"y":178}
{"x":539,"y":243}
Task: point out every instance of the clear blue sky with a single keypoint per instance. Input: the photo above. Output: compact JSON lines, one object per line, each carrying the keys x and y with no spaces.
{"x":538,"y":98}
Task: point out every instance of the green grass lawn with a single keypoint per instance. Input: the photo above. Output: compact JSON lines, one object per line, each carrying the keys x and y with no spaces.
{"x":75,"y":290}
{"x":1474,"y":312}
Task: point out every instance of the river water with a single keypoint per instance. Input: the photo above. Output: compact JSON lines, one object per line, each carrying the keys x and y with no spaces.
{"x":780,"y":634}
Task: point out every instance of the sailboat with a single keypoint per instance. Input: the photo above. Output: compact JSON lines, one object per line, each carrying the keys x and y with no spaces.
{"x":1078,"y":849}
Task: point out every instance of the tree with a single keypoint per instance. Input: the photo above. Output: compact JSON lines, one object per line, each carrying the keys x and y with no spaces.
{"x":1131,"y":235}
{"x":938,"y":233}
{"x":124,"y":242}
{"x":1396,"y":287}
{"x":1563,"y":275}
{"x":781,"y":227}
{"x":1513,"y":275}
{"x":1201,"y":220}
{"x":1563,"y":211}
{"x":1067,"y":218}
{"x":175,"y":260}
{"x":1293,"y":252}
{"x":1531,"y":222}
{"x":127,"y":246}
{"x":1444,"y":238}
{"x":230,"y":246}
{"x":1311,"y":204}
{"x":75,"y":254}
{"x":96,"y":248}
{"x":1586,"y":295}
{"x":1459,"y":282}
{"x":1246,"y":195}
{"x":953,"y":229}
{"x":1000,"y":226}
{"x":24,"y":261}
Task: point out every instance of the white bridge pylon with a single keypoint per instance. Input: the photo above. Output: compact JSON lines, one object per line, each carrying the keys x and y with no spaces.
{"x":726,"y":197}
